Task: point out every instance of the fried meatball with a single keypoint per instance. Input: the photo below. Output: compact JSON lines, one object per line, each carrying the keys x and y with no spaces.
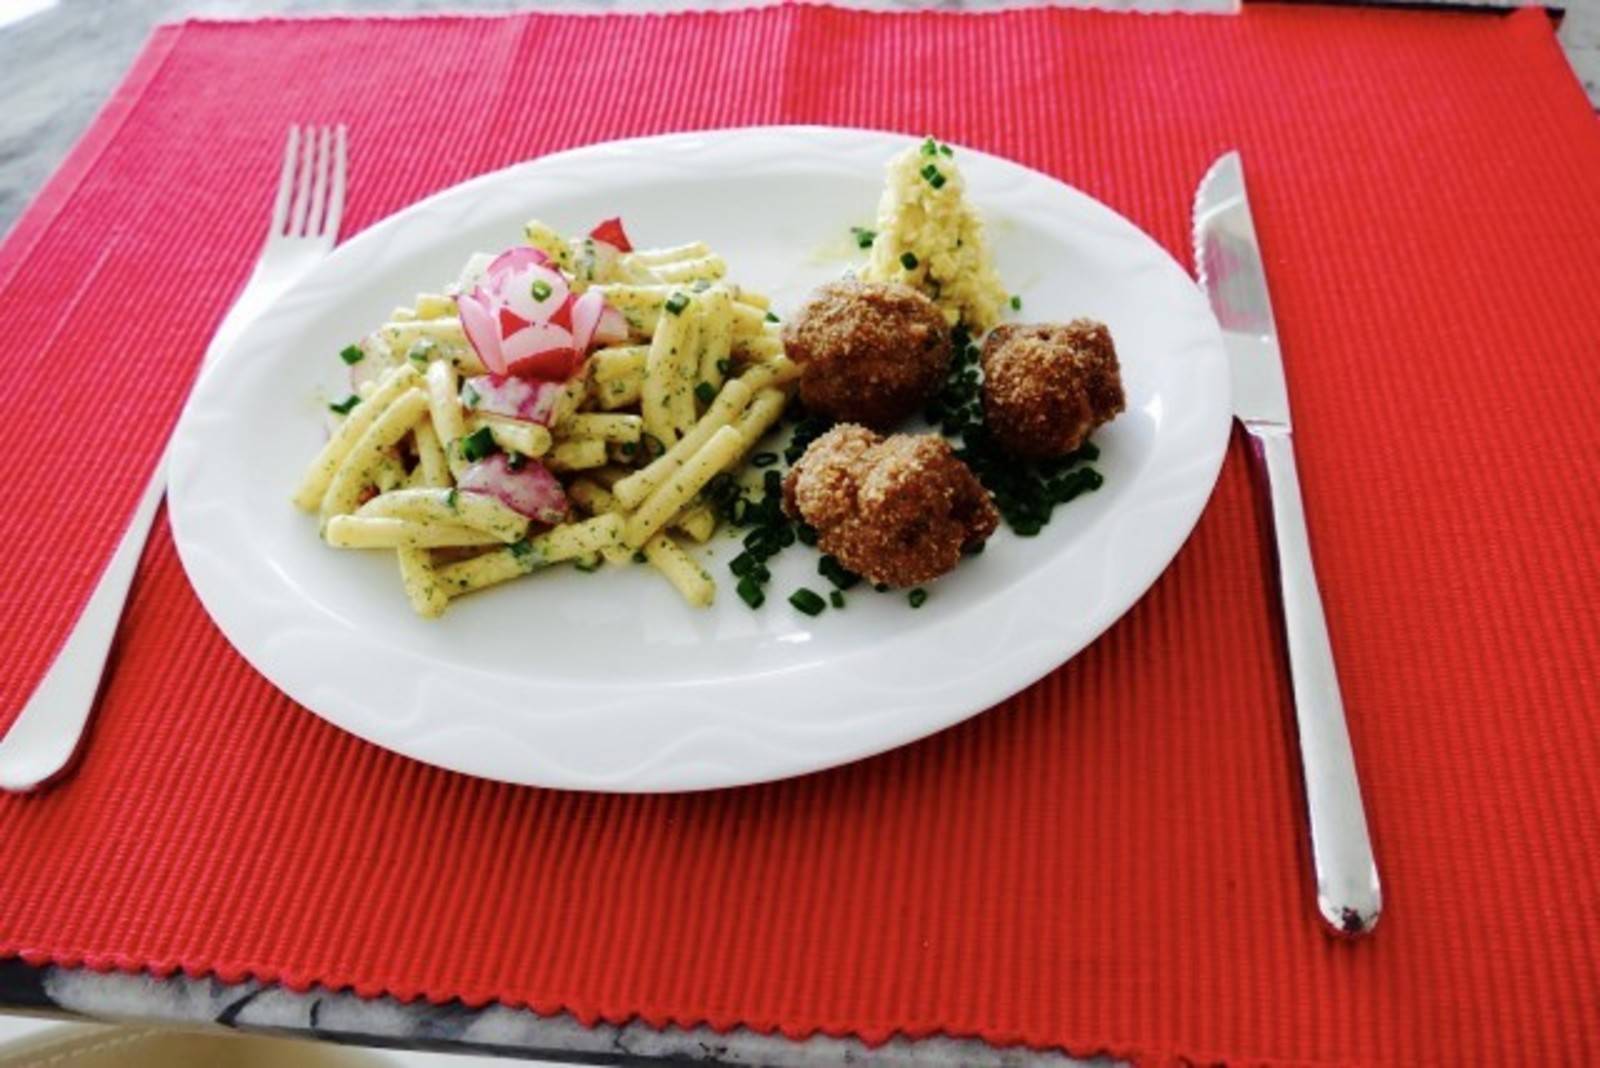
{"x":896,"y":510}
{"x":869,"y":352}
{"x":1046,"y":386}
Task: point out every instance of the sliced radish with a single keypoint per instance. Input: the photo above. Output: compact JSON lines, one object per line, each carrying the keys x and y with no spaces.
{"x":531,"y":400}
{"x":523,"y":318}
{"x":610,"y":231}
{"x":612,"y":328}
{"x":529,"y":490}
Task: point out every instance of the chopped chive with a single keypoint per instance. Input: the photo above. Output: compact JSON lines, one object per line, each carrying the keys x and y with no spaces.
{"x":836,"y":599}
{"x":807,"y":601}
{"x":909,"y":261}
{"x":945,"y":149}
{"x":452,"y":499}
{"x":724,"y":366}
{"x":587,"y":564}
{"x":469,"y":397}
{"x":352,"y":354}
{"x":705,"y":392}
{"x":930,"y":147}
{"x":743,"y":564}
{"x":863,"y":236}
{"x":521,"y":550}
{"x":749,"y":591}
{"x":540,"y":289}
{"x":806,"y":533}
{"x":420,"y":349}
{"x":772,"y":317}
{"x":917,"y":597}
{"x":937,"y":180}
{"x":676,"y":303}
{"x":343,"y":407}
{"x":929,"y":171}
{"x":1016,"y":302}
{"x":764,"y":459}
{"x":831,"y":569}
{"x":478,"y":444}
{"x":639,"y":557}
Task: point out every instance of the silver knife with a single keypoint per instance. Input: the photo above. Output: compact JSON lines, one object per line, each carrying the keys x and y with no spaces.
{"x":1228,"y":260}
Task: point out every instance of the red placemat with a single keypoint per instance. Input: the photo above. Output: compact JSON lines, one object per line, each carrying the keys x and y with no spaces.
{"x":1111,"y":861}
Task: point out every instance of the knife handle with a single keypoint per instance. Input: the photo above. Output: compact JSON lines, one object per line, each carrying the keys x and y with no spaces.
{"x":1348,"y":894}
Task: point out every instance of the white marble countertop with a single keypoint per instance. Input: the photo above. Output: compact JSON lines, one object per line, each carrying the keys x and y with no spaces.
{"x":57,"y":65}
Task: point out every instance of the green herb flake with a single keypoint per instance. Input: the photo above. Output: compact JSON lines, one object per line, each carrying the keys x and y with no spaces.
{"x":917,"y":597}
{"x":343,"y":407}
{"x":863,"y":236}
{"x":945,"y":150}
{"x":587,"y":564}
{"x":515,"y":461}
{"x":723,"y":367}
{"x":930,"y":147}
{"x":1016,"y":302}
{"x":420,"y":351}
{"x":352,"y":354}
{"x":749,"y":591}
{"x":836,"y":599}
{"x":705,"y":392}
{"x":628,"y":448}
{"x":452,"y":500}
{"x":540,"y":289}
{"x":936,"y":180}
{"x":639,"y":557}
{"x":772,"y":317}
{"x":469,"y":397}
{"x":521,"y":550}
{"x":807,"y":601}
{"x":929,"y":172}
{"x":478,"y":444}
{"x":909,"y":260}
{"x":677,"y":303}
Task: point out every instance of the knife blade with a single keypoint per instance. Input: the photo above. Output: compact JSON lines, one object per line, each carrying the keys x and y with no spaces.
{"x":1228,"y":262}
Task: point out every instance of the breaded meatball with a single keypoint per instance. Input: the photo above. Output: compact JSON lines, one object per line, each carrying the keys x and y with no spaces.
{"x":869,"y":352}
{"x":896,"y":510}
{"x":1047,"y":386}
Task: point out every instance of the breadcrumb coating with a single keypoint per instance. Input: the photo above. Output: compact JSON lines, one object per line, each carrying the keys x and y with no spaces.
{"x":898,"y":510}
{"x":869,"y":352}
{"x":1046,"y":387}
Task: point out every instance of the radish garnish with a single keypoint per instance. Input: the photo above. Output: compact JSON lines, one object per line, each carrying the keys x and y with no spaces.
{"x":528,"y":489}
{"x":610,"y":231}
{"x":529,"y":399}
{"x":522,"y":318}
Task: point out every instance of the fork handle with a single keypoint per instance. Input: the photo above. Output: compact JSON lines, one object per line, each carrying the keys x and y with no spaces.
{"x":45,"y":733}
{"x":1348,"y":893}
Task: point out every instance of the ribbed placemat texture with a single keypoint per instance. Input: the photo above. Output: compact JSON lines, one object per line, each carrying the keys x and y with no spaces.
{"x":1111,"y":861}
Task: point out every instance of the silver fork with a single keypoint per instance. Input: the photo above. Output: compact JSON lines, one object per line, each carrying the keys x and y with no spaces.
{"x":305,"y":226}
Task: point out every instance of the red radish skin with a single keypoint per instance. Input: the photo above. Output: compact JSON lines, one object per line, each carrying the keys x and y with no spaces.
{"x":610,"y":231}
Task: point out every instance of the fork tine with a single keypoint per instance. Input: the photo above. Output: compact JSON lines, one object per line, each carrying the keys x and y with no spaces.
{"x":319,"y":181}
{"x":336,"y":194}
{"x":280,"y":207}
{"x":302,"y":193}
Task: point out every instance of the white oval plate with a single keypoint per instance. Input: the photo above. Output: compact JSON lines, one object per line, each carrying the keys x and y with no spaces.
{"x":608,"y":681}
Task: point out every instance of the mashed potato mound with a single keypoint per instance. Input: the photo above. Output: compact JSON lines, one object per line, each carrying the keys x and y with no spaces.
{"x":928,"y":237}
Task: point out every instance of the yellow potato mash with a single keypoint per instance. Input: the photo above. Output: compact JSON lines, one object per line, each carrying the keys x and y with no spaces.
{"x":928,"y":237}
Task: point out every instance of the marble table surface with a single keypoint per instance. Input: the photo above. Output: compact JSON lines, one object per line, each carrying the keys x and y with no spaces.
{"x":59,"y":59}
